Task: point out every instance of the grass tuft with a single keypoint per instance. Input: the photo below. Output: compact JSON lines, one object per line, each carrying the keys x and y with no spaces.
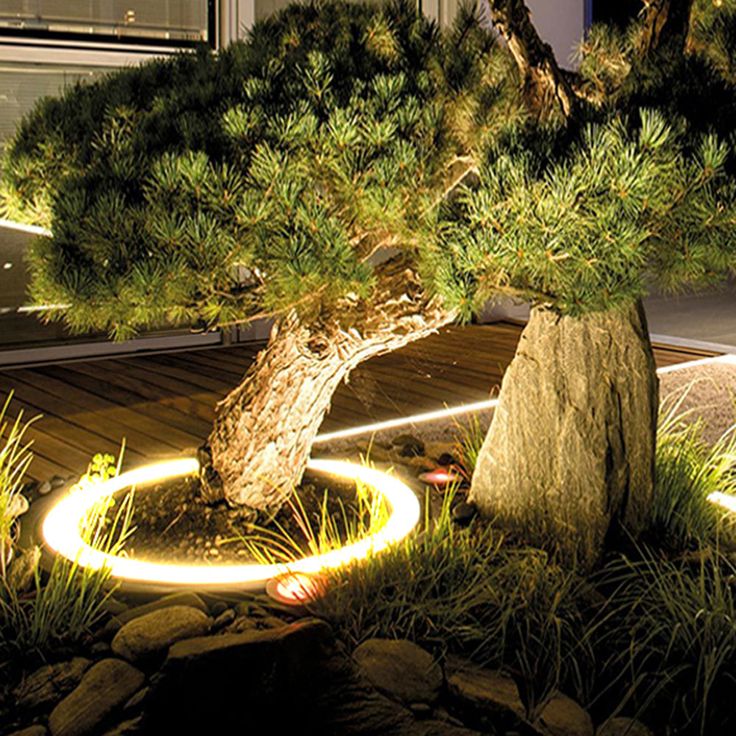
{"x":688,"y":470}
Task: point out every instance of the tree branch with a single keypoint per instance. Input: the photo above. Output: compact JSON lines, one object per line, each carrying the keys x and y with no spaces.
{"x":545,"y":86}
{"x":665,"y":24}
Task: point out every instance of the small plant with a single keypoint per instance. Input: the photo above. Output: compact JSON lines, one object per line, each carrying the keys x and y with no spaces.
{"x":688,"y":470}
{"x":65,"y":605}
{"x":15,"y":457}
{"x":469,"y":438}
{"x":466,"y":591}
{"x":318,"y":533}
{"x":671,"y":637}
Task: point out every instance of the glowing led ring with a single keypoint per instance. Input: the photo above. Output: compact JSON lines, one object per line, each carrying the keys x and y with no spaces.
{"x":61,"y":530}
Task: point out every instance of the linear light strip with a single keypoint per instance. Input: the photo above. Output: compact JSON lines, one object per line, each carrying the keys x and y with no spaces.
{"x":61,"y":530}
{"x":23,"y":227}
{"x":478,"y":406}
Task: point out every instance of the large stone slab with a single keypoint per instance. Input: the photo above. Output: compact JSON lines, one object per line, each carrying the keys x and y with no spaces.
{"x":152,"y":633}
{"x":291,"y":679}
{"x":229,"y":681}
{"x":400,"y":669}
{"x":104,"y":689}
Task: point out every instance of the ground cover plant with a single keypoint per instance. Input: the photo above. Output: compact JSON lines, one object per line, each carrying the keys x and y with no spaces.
{"x":649,"y":634}
{"x":41,"y":613}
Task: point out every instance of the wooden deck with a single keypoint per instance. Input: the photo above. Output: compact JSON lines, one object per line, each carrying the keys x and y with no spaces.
{"x":163,"y":404}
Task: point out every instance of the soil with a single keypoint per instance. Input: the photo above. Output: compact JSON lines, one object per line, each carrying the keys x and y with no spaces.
{"x":172,"y":523}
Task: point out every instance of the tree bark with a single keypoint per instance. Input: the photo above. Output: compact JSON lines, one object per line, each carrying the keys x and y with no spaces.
{"x":544,"y":84}
{"x":666,"y":24}
{"x":264,"y":428}
{"x":569,"y":456}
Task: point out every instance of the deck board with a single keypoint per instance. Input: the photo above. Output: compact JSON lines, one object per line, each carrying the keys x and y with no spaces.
{"x":164,"y":404}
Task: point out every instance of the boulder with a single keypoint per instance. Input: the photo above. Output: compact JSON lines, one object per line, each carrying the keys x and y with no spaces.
{"x":562,"y":716}
{"x":104,"y":689}
{"x":152,"y":633}
{"x":400,"y":669}
{"x":623,"y":727}
{"x":192,"y":600}
{"x":49,"y":684}
{"x":485,"y":698}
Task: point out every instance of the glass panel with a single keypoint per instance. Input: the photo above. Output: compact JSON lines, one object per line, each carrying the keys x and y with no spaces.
{"x":183,"y":20}
{"x":22,"y":84}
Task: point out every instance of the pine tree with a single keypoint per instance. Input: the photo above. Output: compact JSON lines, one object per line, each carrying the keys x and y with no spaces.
{"x":621,"y":178}
{"x":292,"y":176}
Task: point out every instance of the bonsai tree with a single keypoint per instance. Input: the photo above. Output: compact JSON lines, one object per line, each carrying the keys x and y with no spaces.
{"x":292,"y":176}
{"x":595,"y":198}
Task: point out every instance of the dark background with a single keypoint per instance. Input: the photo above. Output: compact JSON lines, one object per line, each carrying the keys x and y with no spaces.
{"x":619,"y":12}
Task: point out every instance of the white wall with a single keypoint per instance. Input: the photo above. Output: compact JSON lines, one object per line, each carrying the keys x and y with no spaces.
{"x":561,"y":23}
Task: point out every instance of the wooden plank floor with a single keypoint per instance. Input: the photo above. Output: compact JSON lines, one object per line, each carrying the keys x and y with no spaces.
{"x":163,"y":404}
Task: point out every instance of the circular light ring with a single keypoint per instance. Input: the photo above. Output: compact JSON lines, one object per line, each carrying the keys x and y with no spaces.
{"x":62,"y":524}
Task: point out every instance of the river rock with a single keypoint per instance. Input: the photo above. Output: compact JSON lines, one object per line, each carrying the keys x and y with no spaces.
{"x":623,"y":727}
{"x":484,"y":697}
{"x":22,"y":573}
{"x":50,"y":683}
{"x":400,"y":669}
{"x":562,"y":716}
{"x":104,"y":689}
{"x":192,"y":600}
{"x":36,"y":730}
{"x":152,"y":633}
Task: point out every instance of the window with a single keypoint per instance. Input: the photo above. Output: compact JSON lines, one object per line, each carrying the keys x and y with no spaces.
{"x":163,"y":22}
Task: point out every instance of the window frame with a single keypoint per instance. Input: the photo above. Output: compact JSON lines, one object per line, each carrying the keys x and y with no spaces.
{"x":89,"y":41}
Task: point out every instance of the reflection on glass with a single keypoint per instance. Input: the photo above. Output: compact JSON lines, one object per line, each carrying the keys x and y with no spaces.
{"x":158,"y":19}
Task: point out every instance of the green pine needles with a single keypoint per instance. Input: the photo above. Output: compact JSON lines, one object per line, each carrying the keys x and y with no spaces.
{"x":214,"y":189}
{"x":627,"y":204}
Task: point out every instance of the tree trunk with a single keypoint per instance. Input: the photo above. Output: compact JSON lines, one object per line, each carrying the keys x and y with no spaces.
{"x":569,"y":456}
{"x":544,"y":85}
{"x":666,"y":23}
{"x":264,"y":429}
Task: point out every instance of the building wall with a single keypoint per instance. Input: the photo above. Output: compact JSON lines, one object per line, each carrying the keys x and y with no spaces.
{"x":561,"y":23}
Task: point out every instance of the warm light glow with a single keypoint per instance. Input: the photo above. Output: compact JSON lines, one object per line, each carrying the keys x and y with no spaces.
{"x":61,"y":530}
{"x":295,"y":588}
{"x":724,"y":500}
{"x":440,"y":477}
{"x":429,"y":416}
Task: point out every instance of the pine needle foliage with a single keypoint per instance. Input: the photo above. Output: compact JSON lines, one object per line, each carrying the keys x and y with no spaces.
{"x":627,"y":204}
{"x":216,"y":188}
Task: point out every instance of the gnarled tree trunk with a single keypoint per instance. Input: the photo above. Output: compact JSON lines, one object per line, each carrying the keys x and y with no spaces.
{"x":544,"y":85}
{"x":569,"y":456}
{"x":264,"y":429}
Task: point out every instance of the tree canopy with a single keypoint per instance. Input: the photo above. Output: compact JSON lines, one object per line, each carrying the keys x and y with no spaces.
{"x":219,"y":187}
{"x":630,"y":187}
